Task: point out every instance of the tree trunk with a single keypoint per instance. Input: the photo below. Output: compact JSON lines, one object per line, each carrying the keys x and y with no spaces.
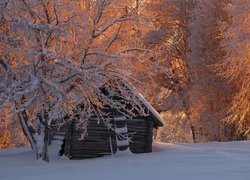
{"x":26,"y":129}
{"x":192,"y":131}
{"x":43,"y":137}
{"x":45,"y":155}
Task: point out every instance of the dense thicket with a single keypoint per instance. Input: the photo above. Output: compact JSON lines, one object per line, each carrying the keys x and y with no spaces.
{"x":207,"y":96}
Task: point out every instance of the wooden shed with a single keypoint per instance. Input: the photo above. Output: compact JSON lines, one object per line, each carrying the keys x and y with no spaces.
{"x":101,"y":140}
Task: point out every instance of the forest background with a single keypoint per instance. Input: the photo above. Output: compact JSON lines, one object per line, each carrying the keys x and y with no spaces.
{"x":190,"y":59}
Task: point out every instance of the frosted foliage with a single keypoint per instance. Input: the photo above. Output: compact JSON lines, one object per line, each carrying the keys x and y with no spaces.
{"x":11,"y":139}
{"x":176,"y":129}
{"x":62,"y":59}
{"x":236,"y":65}
{"x":209,"y":95}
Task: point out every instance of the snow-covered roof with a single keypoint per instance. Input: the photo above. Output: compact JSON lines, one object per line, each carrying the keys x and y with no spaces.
{"x":156,"y":116}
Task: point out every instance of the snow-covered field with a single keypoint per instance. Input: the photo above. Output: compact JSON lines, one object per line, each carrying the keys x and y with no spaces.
{"x":202,"y":161}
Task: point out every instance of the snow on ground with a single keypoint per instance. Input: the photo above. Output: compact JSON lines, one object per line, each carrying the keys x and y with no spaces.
{"x":202,"y":161}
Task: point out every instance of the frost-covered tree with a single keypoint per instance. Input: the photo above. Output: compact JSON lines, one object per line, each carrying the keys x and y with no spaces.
{"x":198,"y":96}
{"x":209,"y":95}
{"x":236,"y":64}
{"x":168,"y":39}
{"x":56,"y":59}
{"x":170,"y":81}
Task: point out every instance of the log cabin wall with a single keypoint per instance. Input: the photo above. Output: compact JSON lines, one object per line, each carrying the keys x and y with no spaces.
{"x":97,"y":142}
{"x":143,"y":135}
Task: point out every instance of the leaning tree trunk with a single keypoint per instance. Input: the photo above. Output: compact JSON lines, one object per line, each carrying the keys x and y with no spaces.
{"x":27,"y":129}
{"x":38,"y":138}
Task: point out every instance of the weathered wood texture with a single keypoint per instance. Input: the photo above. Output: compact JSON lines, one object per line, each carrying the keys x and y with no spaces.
{"x":97,"y":142}
{"x":142,"y":139}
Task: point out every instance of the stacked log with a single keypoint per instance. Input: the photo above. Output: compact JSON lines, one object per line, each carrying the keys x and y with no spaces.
{"x":102,"y":141}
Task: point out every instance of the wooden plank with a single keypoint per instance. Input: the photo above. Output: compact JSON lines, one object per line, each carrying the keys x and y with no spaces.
{"x":97,"y":140}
